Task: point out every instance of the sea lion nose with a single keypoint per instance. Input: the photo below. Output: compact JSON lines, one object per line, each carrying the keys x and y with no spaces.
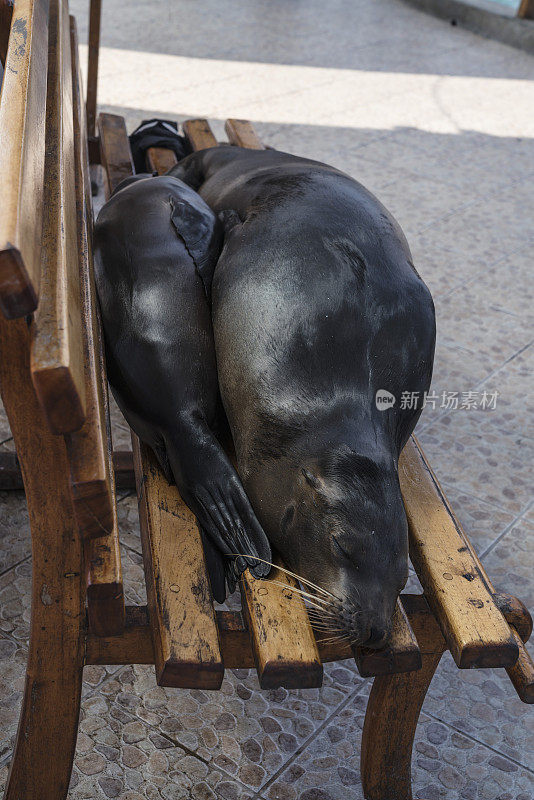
{"x":377,"y":637}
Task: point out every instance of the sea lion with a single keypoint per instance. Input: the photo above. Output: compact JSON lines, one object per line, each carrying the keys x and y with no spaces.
{"x":156,"y":245}
{"x":316,"y":306}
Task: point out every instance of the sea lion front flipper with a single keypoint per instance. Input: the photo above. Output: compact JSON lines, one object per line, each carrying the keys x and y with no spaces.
{"x":215,"y":565}
{"x":211,"y":488}
{"x":222,"y":570}
{"x":202,"y":238}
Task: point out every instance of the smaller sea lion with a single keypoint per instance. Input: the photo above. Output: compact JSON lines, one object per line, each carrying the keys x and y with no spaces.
{"x":156,"y":245}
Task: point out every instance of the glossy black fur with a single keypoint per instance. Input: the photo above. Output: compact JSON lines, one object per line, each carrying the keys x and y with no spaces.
{"x":156,"y":246}
{"x":316,"y":305}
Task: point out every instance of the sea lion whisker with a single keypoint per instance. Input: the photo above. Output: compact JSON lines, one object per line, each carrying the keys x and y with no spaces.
{"x":288,"y":572}
{"x":324,"y":626}
{"x":303,"y":593}
{"x":323,"y":609}
{"x":333,"y":639}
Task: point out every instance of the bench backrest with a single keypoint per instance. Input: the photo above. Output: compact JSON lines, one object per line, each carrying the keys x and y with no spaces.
{"x":46,"y":268}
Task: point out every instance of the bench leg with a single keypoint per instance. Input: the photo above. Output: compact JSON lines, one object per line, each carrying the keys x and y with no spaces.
{"x":46,"y":737}
{"x":389,"y":729}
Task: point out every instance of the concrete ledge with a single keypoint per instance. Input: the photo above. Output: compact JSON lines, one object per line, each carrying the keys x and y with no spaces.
{"x":479,"y":19}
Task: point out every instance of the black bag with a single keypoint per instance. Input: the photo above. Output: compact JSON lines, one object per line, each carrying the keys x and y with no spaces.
{"x":156,"y":133}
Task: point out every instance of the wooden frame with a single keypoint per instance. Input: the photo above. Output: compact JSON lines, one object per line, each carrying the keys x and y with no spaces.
{"x":78,"y":613}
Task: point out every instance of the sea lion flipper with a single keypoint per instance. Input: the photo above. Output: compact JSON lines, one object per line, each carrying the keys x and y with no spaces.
{"x":215,"y":564}
{"x":211,"y":488}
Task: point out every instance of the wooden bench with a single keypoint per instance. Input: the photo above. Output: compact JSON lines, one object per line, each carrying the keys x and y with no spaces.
{"x":52,"y":374}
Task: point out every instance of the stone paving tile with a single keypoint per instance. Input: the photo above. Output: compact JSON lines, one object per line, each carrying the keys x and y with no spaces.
{"x":482,"y":703}
{"x":506,"y":285}
{"x":5,"y":430}
{"x":485,"y":464}
{"x":15,"y":543}
{"x":463,"y":319}
{"x":15,"y":602}
{"x":247,"y":733}
{"x":120,"y":755}
{"x":15,"y":594}
{"x":514,"y":411}
{"x":471,"y":160}
{"x":120,"y":430}
{"x":446,"y":764}
{"x":128,"y":517}
{"x":418,"y":202}
{"x":12,"y":673}
{"x":482,"y":522}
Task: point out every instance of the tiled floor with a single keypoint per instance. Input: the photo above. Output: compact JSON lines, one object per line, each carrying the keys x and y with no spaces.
{"x":439,"y":124}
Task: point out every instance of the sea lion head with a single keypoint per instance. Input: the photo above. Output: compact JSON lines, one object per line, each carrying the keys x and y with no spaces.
{"x":344,"y":530}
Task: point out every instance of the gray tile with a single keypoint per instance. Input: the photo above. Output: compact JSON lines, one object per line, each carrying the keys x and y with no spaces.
{"x":247,"y":733}
{"x":446,"y":765}
{"x":15,"y":543}
{"x":483,"y":703}
{"x":479,"y":461}
{"x":12,"y":674}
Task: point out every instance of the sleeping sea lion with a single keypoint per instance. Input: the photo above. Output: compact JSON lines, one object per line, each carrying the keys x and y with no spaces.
{"x":316,"y":307}
{"x":156,"y":246}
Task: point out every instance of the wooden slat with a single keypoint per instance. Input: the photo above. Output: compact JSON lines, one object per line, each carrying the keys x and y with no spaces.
{"x":522,"y":672}
{"x":161,"y":159}
{"x":182,"y":617}
{"x":526,"y":9}
{"x":402,"y":653}
{"x":474,"y":628}
{"x":135,"y":646}
{"x":116,"y":156}
{"x":198,"y":133}
{"x":57,"y":354}
{"x":11,"y":478}
{"x":89,"y":448}
{"x":284,"y":647}
{"x":95,"y":14}
{"x":105,"y":591}
{"x":22,"y":149}
{"x":241,"y":133}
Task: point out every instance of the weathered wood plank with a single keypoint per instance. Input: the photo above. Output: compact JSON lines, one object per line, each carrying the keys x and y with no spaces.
{"x":240,"y":132}
{"x":89,"y":448}
{"x":284,"y":647}
{"x":283,"y":643}
{"x":393,"y":711}
{"x":402,"y":653}
{"x":135,"y":645}
{"x":40,"y":768}
{"x":526,"y":9}
{"x":104,"y":585}
{"x":161,"y":159}
{"x":182,"y":617}
{"x":476,"y":631}
{"x":95,"y":15}
{"x":22,"y":152}
{"x":199,"y":134}
{"x":57,"y":355}
{"x":11,"y":478}
{"x":116,"y":156}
